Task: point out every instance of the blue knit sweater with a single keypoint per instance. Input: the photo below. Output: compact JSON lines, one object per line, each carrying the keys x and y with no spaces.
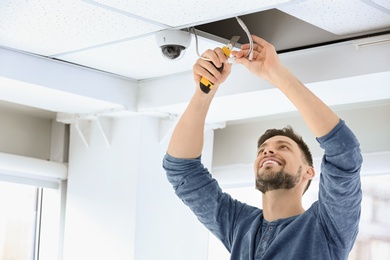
{"x":327,"y":230}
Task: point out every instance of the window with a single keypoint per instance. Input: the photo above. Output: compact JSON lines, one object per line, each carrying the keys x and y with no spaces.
{"x":32,"y":208}
{"x":19,"y":206}
{"x":31,"y":218}
{"x":373,"y":241}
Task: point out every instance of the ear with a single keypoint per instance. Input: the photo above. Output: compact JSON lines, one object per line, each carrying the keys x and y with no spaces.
{"x":309,"y":173}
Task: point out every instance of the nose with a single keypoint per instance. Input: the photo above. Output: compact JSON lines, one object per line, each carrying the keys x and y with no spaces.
{"x":268,"y":150}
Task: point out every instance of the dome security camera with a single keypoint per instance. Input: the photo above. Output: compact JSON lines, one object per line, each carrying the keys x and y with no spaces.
{"x":173,"y":43}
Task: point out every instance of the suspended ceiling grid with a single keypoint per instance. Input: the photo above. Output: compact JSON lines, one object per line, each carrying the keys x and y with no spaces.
{"x":118,"y":36}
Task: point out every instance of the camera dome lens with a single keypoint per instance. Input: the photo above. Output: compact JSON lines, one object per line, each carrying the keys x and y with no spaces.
{"x":172,"y":52}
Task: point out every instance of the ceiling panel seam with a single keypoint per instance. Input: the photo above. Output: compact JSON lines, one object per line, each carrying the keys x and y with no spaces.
{"x":119,"y":11}
{"x":103,"y":44}
{"x":377,"y":6}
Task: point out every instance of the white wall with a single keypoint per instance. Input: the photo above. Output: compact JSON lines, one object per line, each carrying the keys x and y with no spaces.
{"x":165,"y":228}
{"x":119,"y":203}
{"x":101,"y":197}
{"x":24,"y":135}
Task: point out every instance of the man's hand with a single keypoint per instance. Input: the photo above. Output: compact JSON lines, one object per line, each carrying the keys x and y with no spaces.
{"x":204,"y":68}
{"x":317,"y":115}
{"x":265,"y":62}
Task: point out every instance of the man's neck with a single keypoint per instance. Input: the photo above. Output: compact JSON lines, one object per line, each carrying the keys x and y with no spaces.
{"x":278,"y":204}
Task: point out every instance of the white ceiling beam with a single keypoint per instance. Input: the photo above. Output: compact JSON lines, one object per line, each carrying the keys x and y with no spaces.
{"x":61,"y":87}
{"x":325,"y":64}
{"x":346,"y":91}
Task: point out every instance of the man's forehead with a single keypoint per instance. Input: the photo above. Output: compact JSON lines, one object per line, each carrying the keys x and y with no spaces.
{"x":279,"y":139}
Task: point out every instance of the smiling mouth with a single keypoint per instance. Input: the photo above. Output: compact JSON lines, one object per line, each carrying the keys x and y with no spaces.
{"x":269,"y":163}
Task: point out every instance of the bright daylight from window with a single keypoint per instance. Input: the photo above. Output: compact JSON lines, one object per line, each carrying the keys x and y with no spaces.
{"x":18,"y":204}
{"x":373,"y":241}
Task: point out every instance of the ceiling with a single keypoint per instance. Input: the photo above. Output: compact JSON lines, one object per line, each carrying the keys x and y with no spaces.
{"x":117,"y":37}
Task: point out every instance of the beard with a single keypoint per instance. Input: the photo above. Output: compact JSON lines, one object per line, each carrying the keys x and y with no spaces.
{"x":268,"y":181}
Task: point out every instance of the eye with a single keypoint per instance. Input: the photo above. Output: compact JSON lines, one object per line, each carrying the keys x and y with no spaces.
{"x":260,"y":151}
{"x":284,"y":147}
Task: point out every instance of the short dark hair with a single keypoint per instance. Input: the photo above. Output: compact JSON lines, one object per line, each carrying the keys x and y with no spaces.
{"x":289,"y":132}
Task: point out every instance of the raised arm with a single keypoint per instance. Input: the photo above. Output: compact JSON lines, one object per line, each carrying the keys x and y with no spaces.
{"x":317,"y":115}
{"x":187,"y":138}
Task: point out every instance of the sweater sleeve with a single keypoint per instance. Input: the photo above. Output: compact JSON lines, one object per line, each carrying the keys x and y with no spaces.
{"x":340,"y":188}
{"x":194,"y":185}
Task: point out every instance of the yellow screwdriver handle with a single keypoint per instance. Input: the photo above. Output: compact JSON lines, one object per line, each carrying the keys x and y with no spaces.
{"x":205,"y":84}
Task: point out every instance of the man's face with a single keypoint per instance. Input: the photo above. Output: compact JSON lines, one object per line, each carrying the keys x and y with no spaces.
{"x":278,"y":164}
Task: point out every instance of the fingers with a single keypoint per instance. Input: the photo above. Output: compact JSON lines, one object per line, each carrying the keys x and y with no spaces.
{"x":216,"y":56}
{"x":242,"y":59}
{"x":205,"y":69}
{"x":209,"y":69}
{"x":260,"y":47}
{"x":259,"y":41}
{"x":258,"y":44}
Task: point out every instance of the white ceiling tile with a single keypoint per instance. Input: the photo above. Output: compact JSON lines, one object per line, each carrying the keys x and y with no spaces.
{"x":339,"y":17}
{"x":138,"y":59}
{"x":177,"y":13}
{"x":51,"y":27}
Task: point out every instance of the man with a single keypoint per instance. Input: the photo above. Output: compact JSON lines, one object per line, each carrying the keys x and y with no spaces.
{"x":283,"y":171}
